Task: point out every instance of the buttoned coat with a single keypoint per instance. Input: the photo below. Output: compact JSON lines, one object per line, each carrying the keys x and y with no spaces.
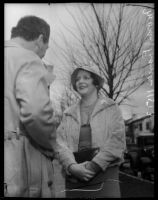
{"x":107,"y":129}
{"x":28,"y":170}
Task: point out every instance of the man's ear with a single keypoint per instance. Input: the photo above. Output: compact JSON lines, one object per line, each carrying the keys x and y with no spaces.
{"x":39,"y":40}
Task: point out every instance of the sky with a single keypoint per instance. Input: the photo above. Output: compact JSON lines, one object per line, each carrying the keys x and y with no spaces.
{"x":58,"y":17}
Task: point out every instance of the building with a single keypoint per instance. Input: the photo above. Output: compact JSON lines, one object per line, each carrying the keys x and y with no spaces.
{"x":137,"y":126}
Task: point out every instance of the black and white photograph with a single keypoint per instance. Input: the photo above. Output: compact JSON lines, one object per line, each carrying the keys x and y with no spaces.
{"x":79,"y":100}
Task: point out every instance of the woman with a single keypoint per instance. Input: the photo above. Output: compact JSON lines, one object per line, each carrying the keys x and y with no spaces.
{"x":94,"y":122}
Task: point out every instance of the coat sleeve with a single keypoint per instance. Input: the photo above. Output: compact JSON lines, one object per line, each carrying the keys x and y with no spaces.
{"x":113,"y":149}
{"x":63,"y":152}
{"x":36,"y":112}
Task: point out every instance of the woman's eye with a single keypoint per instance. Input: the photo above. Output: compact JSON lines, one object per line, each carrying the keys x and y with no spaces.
{"x":87,"y":77}
{"x":83,"y":78}
{"x":77,"y":79}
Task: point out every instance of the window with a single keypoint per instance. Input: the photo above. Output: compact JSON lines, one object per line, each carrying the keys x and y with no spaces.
{"x":140,"y":127}
{"x":148,"y":125}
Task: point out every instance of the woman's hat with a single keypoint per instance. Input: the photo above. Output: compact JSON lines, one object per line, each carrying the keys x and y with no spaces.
{"x":92,"y":69}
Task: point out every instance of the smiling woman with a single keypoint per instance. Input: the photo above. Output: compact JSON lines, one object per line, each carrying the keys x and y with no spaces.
{"x":84,"y":83}
{"x":92,"y":73}
{"x":87,"y":86}
{"x":93,"y":127}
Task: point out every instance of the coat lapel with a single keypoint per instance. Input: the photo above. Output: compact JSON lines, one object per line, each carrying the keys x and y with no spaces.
{"x":74,"y":112}
{"x":102,"y":103}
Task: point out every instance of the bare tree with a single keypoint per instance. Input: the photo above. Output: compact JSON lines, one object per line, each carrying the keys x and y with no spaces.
{"x":111,"y":36}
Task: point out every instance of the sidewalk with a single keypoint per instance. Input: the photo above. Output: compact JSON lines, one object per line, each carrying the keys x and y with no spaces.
{"x":132,"y":186}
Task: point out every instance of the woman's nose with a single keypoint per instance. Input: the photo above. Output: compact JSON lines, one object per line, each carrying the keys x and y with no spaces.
{"x":81,"y":80}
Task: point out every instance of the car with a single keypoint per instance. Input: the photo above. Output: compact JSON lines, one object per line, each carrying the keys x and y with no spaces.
{"x":141,"y":156}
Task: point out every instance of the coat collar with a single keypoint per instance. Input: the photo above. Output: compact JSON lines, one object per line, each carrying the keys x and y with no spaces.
{"x":74,"y":111}
{"x":102,"y":103}
{"x":11,"y":43}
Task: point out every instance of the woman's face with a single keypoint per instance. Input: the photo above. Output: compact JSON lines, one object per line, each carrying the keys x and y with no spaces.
{"x":84,"y":83}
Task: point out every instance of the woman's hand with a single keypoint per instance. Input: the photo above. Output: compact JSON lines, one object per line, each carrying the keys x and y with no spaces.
{"x":80,"y":171}
{"x":92,"y":166}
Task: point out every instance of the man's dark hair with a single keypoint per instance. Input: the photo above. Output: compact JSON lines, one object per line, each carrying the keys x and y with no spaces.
{"x":30,"y":27}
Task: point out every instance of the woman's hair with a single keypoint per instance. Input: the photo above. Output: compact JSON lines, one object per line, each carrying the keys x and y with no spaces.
{"x":30,"y":27}
{"x":96,"y":81}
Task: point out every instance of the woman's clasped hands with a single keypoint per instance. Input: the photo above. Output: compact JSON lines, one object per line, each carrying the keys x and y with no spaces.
{"x":81,"y":172}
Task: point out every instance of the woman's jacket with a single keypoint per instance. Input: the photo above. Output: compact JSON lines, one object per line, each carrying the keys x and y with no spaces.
{"x":107,"y":129}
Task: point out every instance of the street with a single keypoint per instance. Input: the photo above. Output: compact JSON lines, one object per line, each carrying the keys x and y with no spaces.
{"x":132,"y":186}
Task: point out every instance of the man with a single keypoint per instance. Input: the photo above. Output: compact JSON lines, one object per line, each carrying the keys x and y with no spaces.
{"x":29,"y":117}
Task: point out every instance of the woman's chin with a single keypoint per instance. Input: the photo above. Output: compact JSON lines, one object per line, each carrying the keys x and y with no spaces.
{"x":83,"y":93}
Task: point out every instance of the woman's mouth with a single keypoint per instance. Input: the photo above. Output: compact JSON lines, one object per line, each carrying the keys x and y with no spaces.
{"x":82,"y":87}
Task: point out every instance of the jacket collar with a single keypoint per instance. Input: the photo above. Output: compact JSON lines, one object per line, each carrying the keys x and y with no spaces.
{"x":74,"y":111}
{"x":11,"y":43}
{"x":102,"y":103}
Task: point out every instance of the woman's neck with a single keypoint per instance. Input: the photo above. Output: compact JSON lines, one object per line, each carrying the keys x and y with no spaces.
{"x":89,"y":99}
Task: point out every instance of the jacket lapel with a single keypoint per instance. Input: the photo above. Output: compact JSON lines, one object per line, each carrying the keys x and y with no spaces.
{"x":102,"y":103}
{"x":74,"y":112}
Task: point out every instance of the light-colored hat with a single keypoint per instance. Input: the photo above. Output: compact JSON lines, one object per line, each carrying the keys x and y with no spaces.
{"x":93,"y":69}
